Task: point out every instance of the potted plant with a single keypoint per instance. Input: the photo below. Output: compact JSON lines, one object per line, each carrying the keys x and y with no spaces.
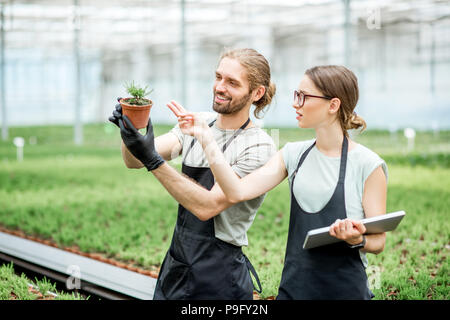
{"x":137,"y":108}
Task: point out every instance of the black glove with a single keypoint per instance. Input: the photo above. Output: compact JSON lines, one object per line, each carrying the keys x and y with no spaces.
{"x":117,"y":114}
{"x":142,"y":147}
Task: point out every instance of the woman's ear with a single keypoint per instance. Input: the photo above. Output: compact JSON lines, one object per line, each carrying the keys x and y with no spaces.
{"x":335,"y":104}
{"x":258,"y":93}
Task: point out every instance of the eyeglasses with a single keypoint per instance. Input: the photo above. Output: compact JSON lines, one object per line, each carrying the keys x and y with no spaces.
{"x":300,"y":97}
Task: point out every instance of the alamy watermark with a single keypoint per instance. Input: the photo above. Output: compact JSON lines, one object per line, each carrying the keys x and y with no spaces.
{"x":374,"y":277}
{"x":373,"y":20}
{"x":74,"y":281}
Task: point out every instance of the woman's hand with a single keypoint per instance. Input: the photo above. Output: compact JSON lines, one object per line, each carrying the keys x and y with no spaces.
{"x":349,"y":230}
{"x":190,"y":123}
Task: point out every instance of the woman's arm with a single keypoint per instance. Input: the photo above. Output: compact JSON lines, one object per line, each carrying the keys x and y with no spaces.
{"x":374,"y":204}
{"x":235,"y":189}
{"x":252,"y":185}
{"x":167,"y":145}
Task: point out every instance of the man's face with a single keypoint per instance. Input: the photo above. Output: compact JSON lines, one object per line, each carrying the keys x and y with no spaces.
{"x":231,"y":88}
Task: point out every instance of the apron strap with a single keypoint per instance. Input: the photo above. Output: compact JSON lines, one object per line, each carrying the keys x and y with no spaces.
{"x":302,"y":158}
{"x":193,"y":140}
{"x":235,"y":134}
{"x":343,"y":166}
{"x":255,"y":275}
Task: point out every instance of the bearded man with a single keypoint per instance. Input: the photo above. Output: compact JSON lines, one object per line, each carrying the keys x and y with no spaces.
{"x":205,"y":258}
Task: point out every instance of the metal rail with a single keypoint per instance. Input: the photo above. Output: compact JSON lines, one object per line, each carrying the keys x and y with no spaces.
{"x":86,"y":289}
{"x":92,"y":276}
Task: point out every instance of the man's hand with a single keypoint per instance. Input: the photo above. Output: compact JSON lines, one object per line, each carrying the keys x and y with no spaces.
{"x":141,"y":146}
{"x":117,"y":114}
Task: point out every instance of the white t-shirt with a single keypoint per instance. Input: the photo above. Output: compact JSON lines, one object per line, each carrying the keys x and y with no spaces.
{"x":251,"y":149}
{"x":317,"y":177}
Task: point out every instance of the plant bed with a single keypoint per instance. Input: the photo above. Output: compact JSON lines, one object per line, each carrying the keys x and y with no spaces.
{"x":19,"y":287}
{"x":102,"y":257}
{"x":70,"y":197}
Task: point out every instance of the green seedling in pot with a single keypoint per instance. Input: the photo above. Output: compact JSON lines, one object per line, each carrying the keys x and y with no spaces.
{"x":137,"y":94}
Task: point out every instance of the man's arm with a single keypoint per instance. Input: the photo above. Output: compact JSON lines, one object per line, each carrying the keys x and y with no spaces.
{"x":167,"y":145}
{"x":204,"y":203}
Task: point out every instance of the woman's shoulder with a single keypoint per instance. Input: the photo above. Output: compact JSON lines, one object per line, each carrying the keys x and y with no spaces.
{"x":367,"y":160}
{"x":296,"y":148}
{"x":292,"y":152}
{"x":363,"y":153}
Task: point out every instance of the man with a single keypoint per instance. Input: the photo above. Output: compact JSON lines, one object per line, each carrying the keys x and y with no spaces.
{"x":205,"y":260}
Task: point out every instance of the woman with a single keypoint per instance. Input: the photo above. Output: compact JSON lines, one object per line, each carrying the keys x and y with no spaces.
{"x":333,"y":181}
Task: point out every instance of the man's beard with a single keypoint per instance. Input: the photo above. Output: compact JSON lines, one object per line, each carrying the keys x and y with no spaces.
{"x":231,"y":106}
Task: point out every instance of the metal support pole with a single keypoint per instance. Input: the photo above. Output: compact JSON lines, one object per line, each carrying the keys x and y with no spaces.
{"x":78,"y":129}
{"x":2,"y":75}
{"x":347,"y":43}
{"x":183,"y":53}
{"x":432,"y":63}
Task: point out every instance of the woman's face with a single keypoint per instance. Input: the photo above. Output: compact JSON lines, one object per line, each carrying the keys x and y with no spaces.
{"x":314,"y":112}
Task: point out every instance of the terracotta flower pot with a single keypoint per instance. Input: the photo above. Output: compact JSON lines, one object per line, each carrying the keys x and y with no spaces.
{"x":138,"y":115}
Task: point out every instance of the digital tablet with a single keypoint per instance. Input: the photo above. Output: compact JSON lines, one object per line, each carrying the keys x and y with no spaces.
{"x":386,"y":222}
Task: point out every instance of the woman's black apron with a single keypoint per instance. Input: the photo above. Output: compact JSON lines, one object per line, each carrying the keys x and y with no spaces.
{"x":199,"y":266}
{"x":328,"y":272}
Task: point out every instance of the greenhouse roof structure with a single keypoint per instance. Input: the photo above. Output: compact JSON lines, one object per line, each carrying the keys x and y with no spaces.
{"x":63,"y":51}
{"x":124,"y":24}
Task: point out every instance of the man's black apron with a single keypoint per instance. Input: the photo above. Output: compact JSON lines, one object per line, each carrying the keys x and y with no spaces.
{"x":328,"y":272}
{"x":198,"y":265}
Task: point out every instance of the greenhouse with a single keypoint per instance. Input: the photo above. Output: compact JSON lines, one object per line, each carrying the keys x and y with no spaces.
{"x":71,"y":57}
{"x":63,"y":183}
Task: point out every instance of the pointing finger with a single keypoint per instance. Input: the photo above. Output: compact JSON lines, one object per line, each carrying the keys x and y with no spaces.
{"x":174,"y":109}
{"x":179,"y":106}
